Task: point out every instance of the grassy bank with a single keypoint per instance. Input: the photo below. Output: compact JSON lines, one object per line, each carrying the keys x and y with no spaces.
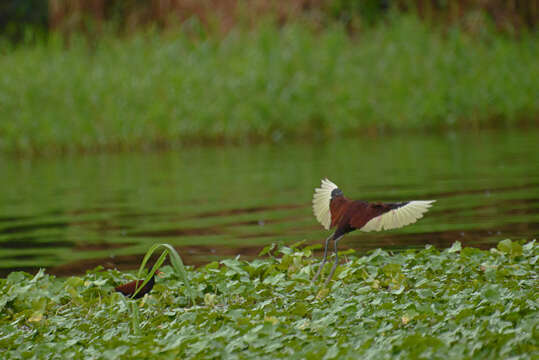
{"x":271,"y":83}
{"x":456,"y":304}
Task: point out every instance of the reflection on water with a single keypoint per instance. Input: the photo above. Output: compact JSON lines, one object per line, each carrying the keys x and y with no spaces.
{"x":72,"y":214}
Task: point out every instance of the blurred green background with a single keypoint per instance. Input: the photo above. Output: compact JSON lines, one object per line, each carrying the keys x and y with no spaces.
{"x":95,"y":75}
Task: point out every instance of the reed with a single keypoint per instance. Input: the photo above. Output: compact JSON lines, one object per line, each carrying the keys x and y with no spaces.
{"x":175,"y":261}
{"x":179,"y":270}
{"x":157,"y":90}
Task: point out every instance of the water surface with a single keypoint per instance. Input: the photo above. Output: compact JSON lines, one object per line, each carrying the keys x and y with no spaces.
{"x":73,"y":213}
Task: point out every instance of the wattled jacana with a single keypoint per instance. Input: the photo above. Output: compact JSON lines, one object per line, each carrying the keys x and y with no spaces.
{"x":130,"y":288}
{"x":332,"y":209}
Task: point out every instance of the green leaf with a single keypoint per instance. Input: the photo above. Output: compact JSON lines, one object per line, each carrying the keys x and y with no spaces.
{"x":267,"y":249}
{"x":176,"y":262}
{"x":509,"y":247}
{"x":456,"y":247}
{"x":391,"y":270}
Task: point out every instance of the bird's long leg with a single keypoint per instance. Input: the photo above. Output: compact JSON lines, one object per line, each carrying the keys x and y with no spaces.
{"x":323,"y":260}
{"x":335,"y":263}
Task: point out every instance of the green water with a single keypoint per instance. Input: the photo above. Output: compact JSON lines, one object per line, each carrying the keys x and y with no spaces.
{"x":73,"y":213}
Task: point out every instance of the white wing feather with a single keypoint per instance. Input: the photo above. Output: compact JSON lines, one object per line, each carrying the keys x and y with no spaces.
{"x":321,"y":200}
{"x":399,"y":217}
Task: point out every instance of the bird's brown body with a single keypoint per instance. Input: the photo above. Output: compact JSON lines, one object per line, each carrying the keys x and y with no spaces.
{"x":333,"y":210}
{"x":130,"y":288}
{"x":348,"y":215}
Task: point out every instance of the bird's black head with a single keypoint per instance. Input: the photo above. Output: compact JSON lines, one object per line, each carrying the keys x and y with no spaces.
{"x":335,"y":193}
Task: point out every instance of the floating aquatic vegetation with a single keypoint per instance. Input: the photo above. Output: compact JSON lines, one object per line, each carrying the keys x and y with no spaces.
{"x":458,"y":303}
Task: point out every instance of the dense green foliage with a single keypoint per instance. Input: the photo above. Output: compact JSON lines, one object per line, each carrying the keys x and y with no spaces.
{"x":456,"y":304}
{"x":269,"y":83}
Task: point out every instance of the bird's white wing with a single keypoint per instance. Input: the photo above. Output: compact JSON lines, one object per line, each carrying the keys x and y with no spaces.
{"x":399,"y":217}
{"x":321,"y":200}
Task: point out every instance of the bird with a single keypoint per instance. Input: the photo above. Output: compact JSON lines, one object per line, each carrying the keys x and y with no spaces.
{"x":129,"y":289}
{"x":332,"y":209}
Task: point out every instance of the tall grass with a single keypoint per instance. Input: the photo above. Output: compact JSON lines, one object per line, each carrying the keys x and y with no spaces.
{"x":175,"y":261}
{"x":162,"y":90}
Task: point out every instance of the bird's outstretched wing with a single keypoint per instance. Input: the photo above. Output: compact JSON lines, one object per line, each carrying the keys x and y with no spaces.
{"x":400,"y":215}
{"x":321,"y":200}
